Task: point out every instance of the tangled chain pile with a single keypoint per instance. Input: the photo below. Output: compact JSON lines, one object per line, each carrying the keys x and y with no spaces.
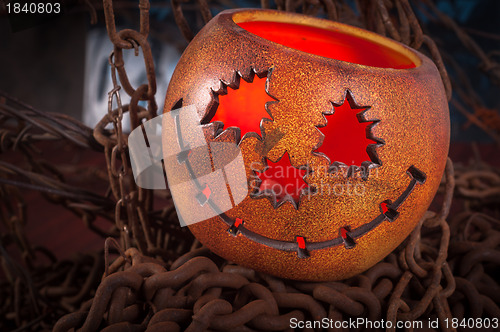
{"x":421,"y":280}
{"x":162,"y":280}
{"x":416,"y":282}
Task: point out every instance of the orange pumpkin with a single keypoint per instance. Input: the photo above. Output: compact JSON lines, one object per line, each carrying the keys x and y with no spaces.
{"x":344,"y":136}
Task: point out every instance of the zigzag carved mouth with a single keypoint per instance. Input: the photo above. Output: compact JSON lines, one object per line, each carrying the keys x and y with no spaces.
{"x":347,"y":237}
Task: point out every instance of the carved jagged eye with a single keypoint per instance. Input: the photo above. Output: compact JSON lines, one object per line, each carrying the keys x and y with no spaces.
{"x":347,"y":134}
{"x":243,"y":105}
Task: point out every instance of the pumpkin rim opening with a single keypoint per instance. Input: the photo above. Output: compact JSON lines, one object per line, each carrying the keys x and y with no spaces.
{"x":327,"y":39}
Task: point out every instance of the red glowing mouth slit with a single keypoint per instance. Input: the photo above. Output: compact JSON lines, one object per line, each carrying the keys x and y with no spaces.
{"x":329,"y":43}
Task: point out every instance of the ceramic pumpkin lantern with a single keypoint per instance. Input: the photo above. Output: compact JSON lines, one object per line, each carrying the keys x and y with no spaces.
{"x":344,"y":136}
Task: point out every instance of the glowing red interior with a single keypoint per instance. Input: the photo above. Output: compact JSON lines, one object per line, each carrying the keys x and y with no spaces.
{"x":329,"y":43}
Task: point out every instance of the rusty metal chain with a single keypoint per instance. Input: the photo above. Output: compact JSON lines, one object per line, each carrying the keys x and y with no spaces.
{"x":132,"y":203}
